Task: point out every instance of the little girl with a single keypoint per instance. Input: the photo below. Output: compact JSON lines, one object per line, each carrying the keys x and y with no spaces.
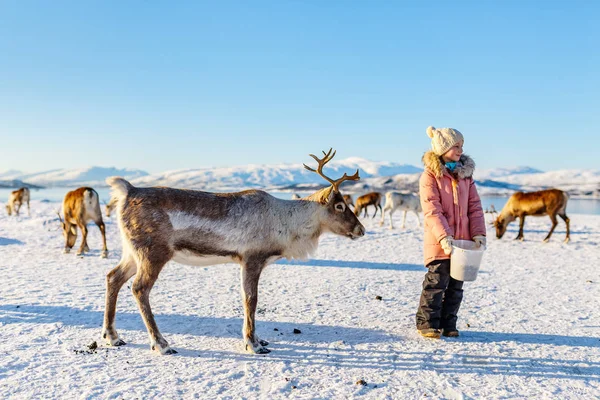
{"x":452,"y":210}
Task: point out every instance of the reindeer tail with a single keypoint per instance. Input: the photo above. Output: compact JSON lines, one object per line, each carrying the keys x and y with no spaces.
{"x":120,"y":187}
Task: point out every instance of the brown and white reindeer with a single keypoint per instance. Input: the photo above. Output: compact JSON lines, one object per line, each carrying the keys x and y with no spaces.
{"x":191,"y":227}
{"x":369,"y":199}
{"x":81,"y":206}
{"x":401,"y":201}
{"x":16,"y":199}
{"x":545,"y":202}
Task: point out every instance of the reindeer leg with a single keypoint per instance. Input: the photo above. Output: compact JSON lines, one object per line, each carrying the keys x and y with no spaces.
{"x":391,"y":221}
{"x":383,"y":216}
{"x":554,"y":223}
{"x":71,"y":231}
{"x":114,"y":281}
{"x":84,"y":247}
{"x":404,"y":219}
{"x":28,"y":209}
{"x":418,"y":218}
{"x":146,"y":275}
{"x":250,"y":274}
{"x":521,"y":225}
{"x":103,"y":232}
{"x":567,"y":221}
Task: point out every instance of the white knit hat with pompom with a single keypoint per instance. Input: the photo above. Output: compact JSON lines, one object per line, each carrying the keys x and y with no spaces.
{"x":443,"y":139}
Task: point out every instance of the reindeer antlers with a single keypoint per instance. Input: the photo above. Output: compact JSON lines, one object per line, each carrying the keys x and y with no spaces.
{"x":58,"y":213}
{"x":335,"y":183}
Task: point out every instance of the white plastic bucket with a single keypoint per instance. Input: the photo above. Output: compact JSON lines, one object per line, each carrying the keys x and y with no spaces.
{"x":465,"y":260}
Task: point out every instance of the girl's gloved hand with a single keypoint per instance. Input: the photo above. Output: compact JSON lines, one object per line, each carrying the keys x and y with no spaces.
{"x":446,"y":244}
{"x":479,"y":240}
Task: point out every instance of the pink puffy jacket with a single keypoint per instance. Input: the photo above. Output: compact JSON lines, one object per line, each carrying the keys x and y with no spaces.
{"x":451,"y":206}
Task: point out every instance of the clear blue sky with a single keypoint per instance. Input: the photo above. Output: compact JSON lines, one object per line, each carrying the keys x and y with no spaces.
{"x":160,"y":85}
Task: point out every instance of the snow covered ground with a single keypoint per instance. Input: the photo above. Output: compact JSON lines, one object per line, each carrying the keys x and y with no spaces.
{"x":530,"y":324}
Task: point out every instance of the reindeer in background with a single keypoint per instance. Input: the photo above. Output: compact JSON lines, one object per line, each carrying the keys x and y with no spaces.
{"x":191,"y":227}
{"x":79,"y":207}
{"x":16,"y":199}
{"x":369,"y":199}
{"x":401,"y":201}
{"x":550,"y":202}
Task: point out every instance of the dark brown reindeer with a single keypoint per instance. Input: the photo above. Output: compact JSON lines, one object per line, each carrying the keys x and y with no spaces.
{"x":550,"y":202}
{"x":79,"y":207}
{"x":16,"y":199}
{"x":369,"y":199}
{"x":191,"y":227}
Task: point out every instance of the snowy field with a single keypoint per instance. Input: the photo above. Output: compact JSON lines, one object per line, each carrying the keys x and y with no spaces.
{"x":530,"y":324}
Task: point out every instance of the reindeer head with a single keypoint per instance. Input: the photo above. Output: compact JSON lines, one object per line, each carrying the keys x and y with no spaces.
{"x":501,"y":223}
{"x":70,"y":233}
{"x":339,"y":219}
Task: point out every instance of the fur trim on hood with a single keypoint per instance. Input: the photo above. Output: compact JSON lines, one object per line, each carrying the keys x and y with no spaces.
{"x":464,"y":168}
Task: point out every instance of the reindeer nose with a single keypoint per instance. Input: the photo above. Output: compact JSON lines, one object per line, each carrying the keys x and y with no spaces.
{"x":359,"y":231}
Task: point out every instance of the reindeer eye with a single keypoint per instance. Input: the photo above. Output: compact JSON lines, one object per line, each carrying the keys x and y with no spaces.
{"x":340,"y":207}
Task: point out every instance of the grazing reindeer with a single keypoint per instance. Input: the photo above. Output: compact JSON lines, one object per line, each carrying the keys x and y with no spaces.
{"x":16,"y":200}
{"x":369,"y":199}
{"x":191,"y":227}
{"x":545,"y":202}
{"x":110,"y":206}
{"x":348,"y":200}
{"x":401,"y":201}
{"x":79,"y":207}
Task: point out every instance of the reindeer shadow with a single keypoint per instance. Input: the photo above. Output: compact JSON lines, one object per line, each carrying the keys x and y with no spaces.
{"x":8,"y":242}
{"x":461,"y":363}
{"x":185,"y":324}
{"x":316,"y":345}
{"x":354,"y":264}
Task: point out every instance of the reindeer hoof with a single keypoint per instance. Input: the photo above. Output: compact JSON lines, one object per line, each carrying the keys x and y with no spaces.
{"x":257,"y":349}
{"x":567,"y":240}
{"x":66,"y":251}
{"x":119,"y":342}
{"x":104,"y":254}
{"x":263,"y":350}
{"x":163,"y":350}
{"x":263,"y":342}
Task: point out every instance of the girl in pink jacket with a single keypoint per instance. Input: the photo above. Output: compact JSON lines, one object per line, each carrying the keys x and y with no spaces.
{"x":452,"y":210}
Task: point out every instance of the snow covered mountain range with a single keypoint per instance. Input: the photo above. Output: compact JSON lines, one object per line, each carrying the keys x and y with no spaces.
{"x":375,"y":175}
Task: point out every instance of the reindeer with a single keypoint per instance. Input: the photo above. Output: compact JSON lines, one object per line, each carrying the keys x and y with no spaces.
{"x":110,"y":206}
{"x":373,"y":198}
{"x":16,"y":200}
{"x":251,"y":228}
{"x":401,"y":201}
{"x":545,"y":202}
{"x":79,"y":207}
{"x":348,"y":200}
{"x":296,"y":196}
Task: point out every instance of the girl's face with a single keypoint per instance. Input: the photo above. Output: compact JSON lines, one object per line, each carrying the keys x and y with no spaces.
{"x":454,"y":153}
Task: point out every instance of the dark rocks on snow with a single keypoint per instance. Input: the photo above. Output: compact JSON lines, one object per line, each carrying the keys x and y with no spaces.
{"x":297,"y":331}
{"x":378,"y":298}
{"x":361,"y":382}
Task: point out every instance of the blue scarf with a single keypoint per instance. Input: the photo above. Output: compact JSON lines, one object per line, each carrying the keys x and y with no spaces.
{"x":451,"y":165}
